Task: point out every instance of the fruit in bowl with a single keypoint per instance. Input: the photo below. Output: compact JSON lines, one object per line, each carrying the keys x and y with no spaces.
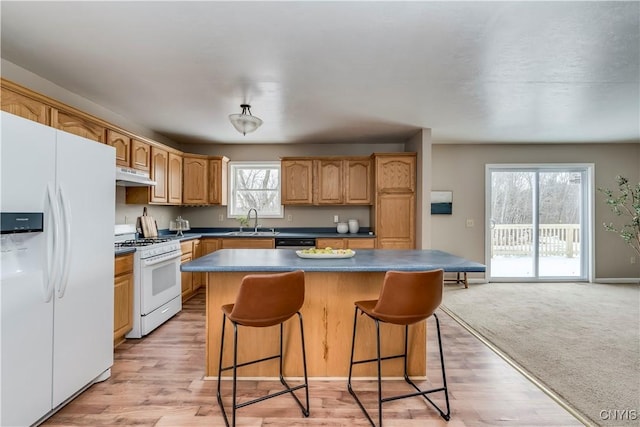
{"x":327,"y":250}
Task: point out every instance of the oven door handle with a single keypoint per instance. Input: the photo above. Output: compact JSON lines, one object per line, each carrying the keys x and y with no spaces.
{"x":152,"y":261}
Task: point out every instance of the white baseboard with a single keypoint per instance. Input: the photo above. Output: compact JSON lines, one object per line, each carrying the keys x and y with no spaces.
{"x":632,"y":280}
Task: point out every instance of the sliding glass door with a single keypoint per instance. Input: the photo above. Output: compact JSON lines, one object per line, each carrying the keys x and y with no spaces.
{"x":538,"y":222}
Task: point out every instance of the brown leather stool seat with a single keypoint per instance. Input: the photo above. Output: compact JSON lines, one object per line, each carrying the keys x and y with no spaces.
{"x":264,"y":300}
{"x":405,"y":298}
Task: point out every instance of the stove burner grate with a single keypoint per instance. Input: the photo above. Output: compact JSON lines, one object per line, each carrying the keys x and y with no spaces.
{"x":141,"y":242}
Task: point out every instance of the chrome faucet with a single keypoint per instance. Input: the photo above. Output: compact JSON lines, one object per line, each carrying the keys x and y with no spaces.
{"x":255,"y":224}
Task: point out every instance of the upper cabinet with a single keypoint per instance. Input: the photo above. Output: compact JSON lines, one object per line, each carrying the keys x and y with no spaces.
{"x":130,"y":152}
{"x":297,"y":181}
{"x":174,"y":179}
{"x":194,"y":180}
{"x":358,"y":181}
{"x":77,"y":125}
{"x":122,"y":144}
{"x":140,"y":155}
{"x":217,"y":182}
{"x":204,"y":180}
{"x":395,"y":172}
{"x":159,"y":173}
{"x":24,"y":106}
{"x":327,"y":181}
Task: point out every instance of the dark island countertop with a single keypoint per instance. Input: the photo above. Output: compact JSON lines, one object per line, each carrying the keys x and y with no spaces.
{"x":365,"y":260}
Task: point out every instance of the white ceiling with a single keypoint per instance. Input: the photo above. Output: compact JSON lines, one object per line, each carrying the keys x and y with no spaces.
{"x":344,"y":71}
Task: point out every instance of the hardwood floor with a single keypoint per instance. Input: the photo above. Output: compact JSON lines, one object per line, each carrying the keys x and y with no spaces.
{"x":158,"y":381}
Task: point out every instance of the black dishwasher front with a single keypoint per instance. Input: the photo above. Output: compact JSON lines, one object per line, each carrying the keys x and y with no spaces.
{"x":295,"y":243}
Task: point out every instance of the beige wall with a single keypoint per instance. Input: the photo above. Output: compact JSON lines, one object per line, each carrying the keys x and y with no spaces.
{"x":461,"y":169}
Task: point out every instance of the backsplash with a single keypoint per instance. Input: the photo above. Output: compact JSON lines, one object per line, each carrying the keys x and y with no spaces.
{"x":209,"y":216}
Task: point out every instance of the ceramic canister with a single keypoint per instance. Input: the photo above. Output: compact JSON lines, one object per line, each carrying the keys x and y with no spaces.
{"x":342,"y":227}
{"x":354,"y":226}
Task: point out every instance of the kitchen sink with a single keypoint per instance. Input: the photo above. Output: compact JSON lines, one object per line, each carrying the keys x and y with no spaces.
{"x":253,"y":233}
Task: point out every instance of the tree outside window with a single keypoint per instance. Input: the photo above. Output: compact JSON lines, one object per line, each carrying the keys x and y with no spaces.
{"x":254,"y":185}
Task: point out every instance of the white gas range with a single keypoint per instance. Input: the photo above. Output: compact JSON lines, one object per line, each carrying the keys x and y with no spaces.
{"x":156,"y":277}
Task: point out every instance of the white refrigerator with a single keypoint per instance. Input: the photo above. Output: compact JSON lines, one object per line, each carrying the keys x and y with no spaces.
{"x":56,"y":286}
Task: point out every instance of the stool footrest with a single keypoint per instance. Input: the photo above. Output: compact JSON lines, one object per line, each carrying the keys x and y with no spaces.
{"x":357,"y":362}
{"x":252,"y":362}
{"x":278,"y":393}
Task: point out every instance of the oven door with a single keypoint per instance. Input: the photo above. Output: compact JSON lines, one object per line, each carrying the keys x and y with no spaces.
{"x":159,"y":281}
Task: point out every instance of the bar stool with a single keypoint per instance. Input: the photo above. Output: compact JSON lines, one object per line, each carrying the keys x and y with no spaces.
{"x":405,"y":298}
{"x":264,"y":300}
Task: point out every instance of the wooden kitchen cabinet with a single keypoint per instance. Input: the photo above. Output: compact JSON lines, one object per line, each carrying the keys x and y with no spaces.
{"x":250,"y":243}
{"x":195,"y":180}
{"x":166,"y":171}
{"x":395,"y":172}
{"x":297,"y":181}
{"x":328,"y":182}
{"x":209,"y":245}
{"x":77,"y":125}
{"x":198,"y":278}
{"x":140,"y":155}
{"x":24,"y":106}
{"x":122,"y":297}
{"x":394,"y":211}
{"x":187,"y":277}
{"x":122,"y":144}
{"x":358,"y":181}
{"x":159,"y":173}
{"x":174,"y":179}
{"x":217,"y":182}
{"x":346,"y":243}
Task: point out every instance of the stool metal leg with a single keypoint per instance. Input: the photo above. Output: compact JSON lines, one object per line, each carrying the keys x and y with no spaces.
{"x":379,"y":359}
{"x":235,"y":366}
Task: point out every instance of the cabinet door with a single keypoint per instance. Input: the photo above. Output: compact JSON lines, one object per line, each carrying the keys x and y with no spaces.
{"x":140,"y":155}
{"x":218,"y":181}
{"x":395,"y":220}
{"x":23,"y":106}
{"x":209,"y":246}
{"x":159,"y":173}
{"x":361,"y":243}
{"x":395,"y":173}
{"x":186,"y":278}
{"x":194,"y":184}
{"x":122,"y":144}
{"x":358,"y":182}
{"x":198,"y":278}
{"x":328,"y":182}
{"x":333,"y":243}
{"x":174,"y":181}
{"x":123,"y":307}
{"x":73,"y":123}
{"x":297,"y":178}
{"x":186,"y":247}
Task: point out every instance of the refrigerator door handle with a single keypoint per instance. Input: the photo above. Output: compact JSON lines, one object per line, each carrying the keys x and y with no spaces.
{"x":53,"y":241}
{"x":66,"y":242}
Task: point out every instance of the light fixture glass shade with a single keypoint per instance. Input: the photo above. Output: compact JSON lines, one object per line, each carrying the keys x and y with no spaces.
{"x":245,"y":122}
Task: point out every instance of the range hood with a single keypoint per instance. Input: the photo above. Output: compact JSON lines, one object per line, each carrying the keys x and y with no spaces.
{"x":126,"y":177}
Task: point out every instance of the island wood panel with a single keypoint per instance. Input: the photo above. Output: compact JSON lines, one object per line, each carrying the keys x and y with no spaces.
{"x":328,"y":314}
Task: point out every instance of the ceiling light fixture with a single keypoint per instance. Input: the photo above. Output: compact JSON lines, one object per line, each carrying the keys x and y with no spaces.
{"x":245,"y":122}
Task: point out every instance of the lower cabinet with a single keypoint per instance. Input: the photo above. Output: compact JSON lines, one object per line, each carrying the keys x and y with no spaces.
{"x":187,"y":277}
{"x":346,"y":243}
{"x":247,"y":243}
{"x":123,"y":298}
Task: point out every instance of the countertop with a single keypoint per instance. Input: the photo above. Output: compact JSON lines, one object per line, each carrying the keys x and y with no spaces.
{"x":253,"y":260}
{"x":317,"y":233}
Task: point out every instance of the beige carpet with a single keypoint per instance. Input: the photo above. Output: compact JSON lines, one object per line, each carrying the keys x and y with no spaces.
{"x":580,"y":340}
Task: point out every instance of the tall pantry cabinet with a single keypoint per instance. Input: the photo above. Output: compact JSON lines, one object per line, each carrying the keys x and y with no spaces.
{"x":394,"y":209}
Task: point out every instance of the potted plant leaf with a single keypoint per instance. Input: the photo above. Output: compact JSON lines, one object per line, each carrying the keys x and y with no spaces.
{"x":625,"y":202}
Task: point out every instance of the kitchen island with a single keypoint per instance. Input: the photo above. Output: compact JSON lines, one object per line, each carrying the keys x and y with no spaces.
{"x":332,"y":286}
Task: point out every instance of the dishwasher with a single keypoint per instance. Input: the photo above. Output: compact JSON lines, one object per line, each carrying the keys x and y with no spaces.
{"x":295,"y":243}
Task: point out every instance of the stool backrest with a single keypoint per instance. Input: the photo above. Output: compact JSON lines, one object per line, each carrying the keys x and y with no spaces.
{"x":408,"y":297}
{"x":268,"y":299}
